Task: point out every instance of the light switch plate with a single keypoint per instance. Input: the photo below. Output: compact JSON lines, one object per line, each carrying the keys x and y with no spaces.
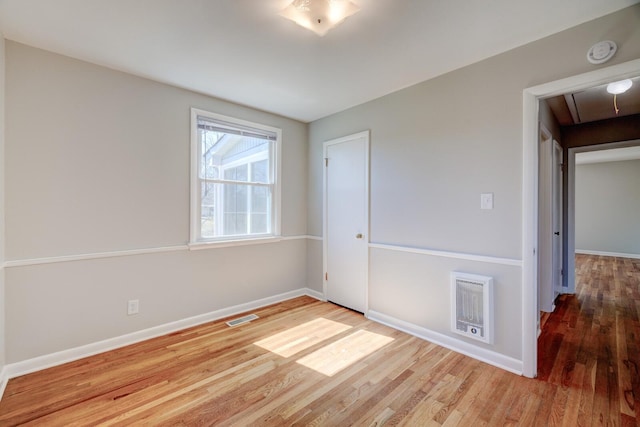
{"x":486,"y":201}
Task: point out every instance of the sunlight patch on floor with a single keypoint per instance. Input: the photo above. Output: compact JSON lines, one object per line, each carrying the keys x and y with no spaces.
{"x":294,"y":340}
{"x":336,"y":356}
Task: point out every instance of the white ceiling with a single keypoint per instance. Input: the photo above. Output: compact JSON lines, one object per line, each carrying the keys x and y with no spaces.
{"x":611,"y":155}
{"x":243,"y":51}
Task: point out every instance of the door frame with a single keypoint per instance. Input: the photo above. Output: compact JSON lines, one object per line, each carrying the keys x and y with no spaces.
{"x":325,"y":224}
{"x":531,"y":97}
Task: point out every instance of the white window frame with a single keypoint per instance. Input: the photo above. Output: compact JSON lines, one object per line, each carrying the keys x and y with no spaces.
{"x":195,"y":240}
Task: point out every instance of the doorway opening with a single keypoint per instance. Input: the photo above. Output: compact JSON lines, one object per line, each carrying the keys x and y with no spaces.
{"x":608,"y":153}
{"x":531,"y":119}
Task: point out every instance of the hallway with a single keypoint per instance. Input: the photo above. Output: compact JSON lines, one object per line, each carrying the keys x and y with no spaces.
{"x":589,"y":346}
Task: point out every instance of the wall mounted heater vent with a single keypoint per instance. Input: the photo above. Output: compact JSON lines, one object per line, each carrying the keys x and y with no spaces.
{"x":472,"y":306}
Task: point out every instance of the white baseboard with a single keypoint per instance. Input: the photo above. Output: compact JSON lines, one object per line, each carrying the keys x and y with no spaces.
{"x":492,"y":358}
{"x":24,"y":367}
{"x":315,"y":294}
{"x":4,"y":379}
{"x":613,"y":254}
{"x":39,"y":363}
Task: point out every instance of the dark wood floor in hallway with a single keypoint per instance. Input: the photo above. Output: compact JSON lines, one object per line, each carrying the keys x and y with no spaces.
{"x":306,"y":362}
{"x":589,"y":347}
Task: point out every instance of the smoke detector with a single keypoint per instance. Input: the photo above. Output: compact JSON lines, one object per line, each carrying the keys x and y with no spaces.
{"x":601,"y":52}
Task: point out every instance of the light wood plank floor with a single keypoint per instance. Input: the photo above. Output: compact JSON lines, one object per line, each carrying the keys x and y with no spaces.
{"x":304,"y":362}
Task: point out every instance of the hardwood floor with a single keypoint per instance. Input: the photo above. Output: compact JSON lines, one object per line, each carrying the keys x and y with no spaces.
{"x":304,"y":362}
{"x":590,"y":345}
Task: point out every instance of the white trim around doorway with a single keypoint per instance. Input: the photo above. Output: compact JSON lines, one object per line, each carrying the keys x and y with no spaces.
{"x":531,"y":96}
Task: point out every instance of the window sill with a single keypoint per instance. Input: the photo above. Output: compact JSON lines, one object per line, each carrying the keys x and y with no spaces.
{"x":196,"y":246}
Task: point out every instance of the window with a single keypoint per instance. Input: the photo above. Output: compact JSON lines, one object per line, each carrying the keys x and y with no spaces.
{"x":235,"y":192}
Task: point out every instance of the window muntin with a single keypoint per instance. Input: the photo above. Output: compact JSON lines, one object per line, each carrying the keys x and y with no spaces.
{"x":236,"y":179}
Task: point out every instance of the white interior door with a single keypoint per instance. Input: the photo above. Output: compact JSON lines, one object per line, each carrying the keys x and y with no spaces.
{"x":557,"y":217}
{"x":546,"y":287}
{"x":346,"y":225}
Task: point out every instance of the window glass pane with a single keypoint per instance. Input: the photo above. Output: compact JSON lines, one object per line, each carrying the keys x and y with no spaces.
{"x":239,"y":173}
{"x":259,"y":223}
{"x":259,"y":199}
{"x":207,"y":210}
{"x":235,"y":224}
{"x":260,"y":171}
{"x":235,"y":209}
{"x":209,"y":160}
{"x":242,"y":149}
{"x":260,"y":209}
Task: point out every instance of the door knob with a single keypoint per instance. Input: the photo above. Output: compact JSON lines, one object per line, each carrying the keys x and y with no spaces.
{"x":557,"y":233}
{"x":359,"y":236}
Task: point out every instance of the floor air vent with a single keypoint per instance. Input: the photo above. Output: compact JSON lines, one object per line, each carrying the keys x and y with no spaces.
{"x":472,"y":306}
{"x":240,"y":320}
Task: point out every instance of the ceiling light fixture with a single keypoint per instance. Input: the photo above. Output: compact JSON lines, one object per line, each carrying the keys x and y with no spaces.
{"x":319,"y":16}
{"x":616,"y":88}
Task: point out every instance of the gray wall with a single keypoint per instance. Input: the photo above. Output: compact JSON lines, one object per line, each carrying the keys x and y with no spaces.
{"x":2,"y":234}
{"x":435,"y":147}
{"x":98,"y":161}
{"x":608,"y":207}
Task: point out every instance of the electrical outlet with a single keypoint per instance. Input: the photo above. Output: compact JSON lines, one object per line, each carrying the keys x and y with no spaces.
{"x":133,"y":306}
